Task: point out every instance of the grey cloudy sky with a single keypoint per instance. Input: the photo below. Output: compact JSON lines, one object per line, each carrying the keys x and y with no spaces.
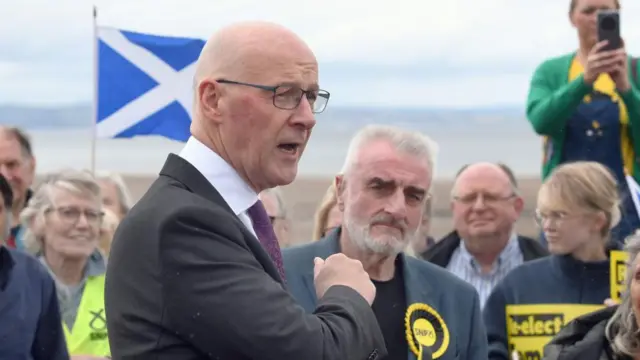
{"x":453,"y":53}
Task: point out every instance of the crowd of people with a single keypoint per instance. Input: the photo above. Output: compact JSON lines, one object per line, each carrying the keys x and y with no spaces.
{"x":203,"y":265}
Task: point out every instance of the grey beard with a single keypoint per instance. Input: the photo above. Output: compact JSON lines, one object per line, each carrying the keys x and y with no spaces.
{"x":360,"y":236}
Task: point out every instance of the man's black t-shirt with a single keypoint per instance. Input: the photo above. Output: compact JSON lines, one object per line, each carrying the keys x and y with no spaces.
{"x":390,"y":306}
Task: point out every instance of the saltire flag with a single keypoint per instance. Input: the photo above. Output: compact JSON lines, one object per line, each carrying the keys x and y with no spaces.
{"x":145,"y":84}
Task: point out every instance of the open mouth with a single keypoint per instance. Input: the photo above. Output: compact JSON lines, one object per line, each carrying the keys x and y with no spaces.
{"x":289,"y":148}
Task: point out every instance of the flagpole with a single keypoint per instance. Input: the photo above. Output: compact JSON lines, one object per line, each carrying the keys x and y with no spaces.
{"x":94,"y":110}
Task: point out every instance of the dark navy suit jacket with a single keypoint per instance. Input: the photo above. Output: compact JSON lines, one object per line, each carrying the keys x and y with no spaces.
{"x":456,"y":301}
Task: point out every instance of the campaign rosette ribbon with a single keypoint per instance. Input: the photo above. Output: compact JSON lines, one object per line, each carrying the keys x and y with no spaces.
{"x":426,"y":331}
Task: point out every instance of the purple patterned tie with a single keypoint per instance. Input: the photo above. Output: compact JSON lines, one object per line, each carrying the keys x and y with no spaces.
{"x":264,"y":230}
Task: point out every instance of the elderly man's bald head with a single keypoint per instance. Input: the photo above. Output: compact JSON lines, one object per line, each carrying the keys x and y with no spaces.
{"x":485,"y":207}
{"x":501,"y":172}
{"x":245,"y":49}
{"x":255,"y":96}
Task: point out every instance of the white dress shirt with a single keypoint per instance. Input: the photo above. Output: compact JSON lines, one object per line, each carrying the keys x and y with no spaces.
{"x":233,"y":189}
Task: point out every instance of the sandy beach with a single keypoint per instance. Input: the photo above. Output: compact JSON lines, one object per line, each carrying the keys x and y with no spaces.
{"x":304,"y":195}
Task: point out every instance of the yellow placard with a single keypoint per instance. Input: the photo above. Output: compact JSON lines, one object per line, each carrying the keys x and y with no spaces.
{"x":618,"y":262}
{"x":531,"y":327}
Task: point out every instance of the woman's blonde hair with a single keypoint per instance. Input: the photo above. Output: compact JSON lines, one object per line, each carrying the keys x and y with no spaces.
{"x":583,"y":185}
{"x":622,"y":328}
{"x":32,"y":217}
{"x":321,"y":217}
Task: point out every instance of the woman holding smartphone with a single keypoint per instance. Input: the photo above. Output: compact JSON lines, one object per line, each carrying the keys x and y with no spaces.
{"x":586,"y":105}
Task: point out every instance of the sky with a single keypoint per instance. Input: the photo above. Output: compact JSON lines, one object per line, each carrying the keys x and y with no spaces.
{"x":401,"y":53}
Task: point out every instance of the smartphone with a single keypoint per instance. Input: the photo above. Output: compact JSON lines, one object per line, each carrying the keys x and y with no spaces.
{"x":609,"y":29}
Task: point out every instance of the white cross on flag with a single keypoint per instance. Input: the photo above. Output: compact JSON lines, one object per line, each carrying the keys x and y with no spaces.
{"x":145,"y":84}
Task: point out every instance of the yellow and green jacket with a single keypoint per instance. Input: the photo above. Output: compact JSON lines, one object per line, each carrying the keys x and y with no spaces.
{"x":557,"y":89}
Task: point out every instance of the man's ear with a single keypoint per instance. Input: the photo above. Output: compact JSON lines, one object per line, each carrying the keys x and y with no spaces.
{"x":518,"y":203}
{"x":208,"y":103}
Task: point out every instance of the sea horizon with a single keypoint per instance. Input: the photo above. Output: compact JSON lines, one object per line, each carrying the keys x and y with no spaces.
{"x":463,"y":136}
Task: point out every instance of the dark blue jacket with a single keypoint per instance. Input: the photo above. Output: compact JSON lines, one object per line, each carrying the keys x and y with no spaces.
{"x":553,"y":279}
{"x":30,"y":324}
{"x":456,"y":301}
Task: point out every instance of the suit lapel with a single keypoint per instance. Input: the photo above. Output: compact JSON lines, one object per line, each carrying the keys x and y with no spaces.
{"x":323,"y":248}
{"x":182,"y":171}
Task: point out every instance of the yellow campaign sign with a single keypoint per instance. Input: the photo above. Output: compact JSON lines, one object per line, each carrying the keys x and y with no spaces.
{"x":618,"y":262}
{"x":531,"y":327}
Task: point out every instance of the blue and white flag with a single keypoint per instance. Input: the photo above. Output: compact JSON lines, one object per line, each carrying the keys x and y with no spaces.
{"x":634,"y":190}
{"x":145,"y":84}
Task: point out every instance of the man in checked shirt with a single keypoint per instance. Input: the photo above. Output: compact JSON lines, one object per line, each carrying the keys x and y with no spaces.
{"x":484,"y":246}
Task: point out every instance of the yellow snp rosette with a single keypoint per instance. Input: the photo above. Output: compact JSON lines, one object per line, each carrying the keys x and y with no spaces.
{"x":426,"y":331}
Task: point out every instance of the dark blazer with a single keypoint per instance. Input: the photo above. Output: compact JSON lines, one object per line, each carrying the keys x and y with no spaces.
{"x":441,"y":253}
{"x":455,"y":300}
{"x":584,"y":339}
{"x":187,"y":280}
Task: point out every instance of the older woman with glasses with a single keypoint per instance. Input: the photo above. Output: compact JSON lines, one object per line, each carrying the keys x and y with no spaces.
{"x":578,"y":205}
{"x":62,"y":228}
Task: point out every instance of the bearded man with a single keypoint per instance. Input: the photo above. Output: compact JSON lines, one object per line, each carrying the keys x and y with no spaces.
{"x":423,"y":310}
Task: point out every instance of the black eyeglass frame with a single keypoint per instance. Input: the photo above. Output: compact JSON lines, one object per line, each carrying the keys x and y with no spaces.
{"x":274,"y":89}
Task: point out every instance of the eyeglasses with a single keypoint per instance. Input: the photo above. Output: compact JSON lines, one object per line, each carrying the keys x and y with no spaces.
{"x":554,"y":217}
{"x":487,"y":199}
{"x":71,"y":215}
{"x":288,"y":97}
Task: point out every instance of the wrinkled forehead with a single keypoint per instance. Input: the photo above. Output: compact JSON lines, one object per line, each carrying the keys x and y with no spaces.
{"x":392,"y":166}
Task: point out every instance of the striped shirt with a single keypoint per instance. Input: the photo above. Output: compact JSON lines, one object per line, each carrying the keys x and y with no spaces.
{"x":465,"y":266}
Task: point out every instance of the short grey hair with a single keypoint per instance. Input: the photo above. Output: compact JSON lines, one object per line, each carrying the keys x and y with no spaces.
{"x":124,"y":196}
{"x":408,"y":141}
{"x":276,"y":193}
{"x":32,"y":217}
{"x":622,"y":328}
